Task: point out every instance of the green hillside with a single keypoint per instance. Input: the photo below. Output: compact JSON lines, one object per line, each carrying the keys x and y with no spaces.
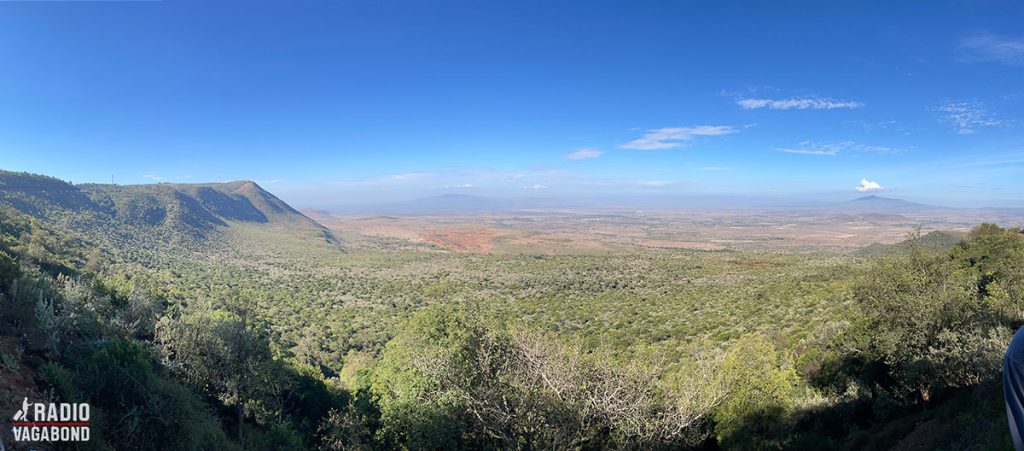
{"x":183,"y":215}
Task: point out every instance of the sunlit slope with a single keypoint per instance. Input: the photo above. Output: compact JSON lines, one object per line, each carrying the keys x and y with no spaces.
{"x":160,"y":215}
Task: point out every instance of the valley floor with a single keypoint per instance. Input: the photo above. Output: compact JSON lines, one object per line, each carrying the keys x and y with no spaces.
{"x":617,"y":231}
{"x":672,"y":303}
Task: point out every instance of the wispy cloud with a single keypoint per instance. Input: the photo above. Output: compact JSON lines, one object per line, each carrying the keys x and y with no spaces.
{"x":583,"y":154}
{"x":673,"y":137}
{"x":538,"y":186}
{"x":819,"y":152}
{"x":713,"y":168}
{"x":798,"y":103}
{"x":832,"y":149}
{"x":995,"y":160}
{"x":867,"y":186}
{"x":459,"y":186}
{"x":968,"y":116}
{"x":874,"y":149}
{"x":406,"y":176}
{"x":159,"y":178}
{"x":269,"y":182}
{"x":992,"y":48}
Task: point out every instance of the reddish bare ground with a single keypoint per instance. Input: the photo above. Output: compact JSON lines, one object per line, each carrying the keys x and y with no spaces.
{"x":464,"y":239}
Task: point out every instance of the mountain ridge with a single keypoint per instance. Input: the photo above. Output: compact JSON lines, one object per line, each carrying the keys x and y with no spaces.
{"x":879,"y":204}
{"x":176,"y":211}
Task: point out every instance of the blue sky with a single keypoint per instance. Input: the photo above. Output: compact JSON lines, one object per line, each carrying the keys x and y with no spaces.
{"x":340,"y":102}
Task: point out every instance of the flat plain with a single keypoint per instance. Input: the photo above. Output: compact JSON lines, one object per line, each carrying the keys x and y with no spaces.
{"x":568,"y":231}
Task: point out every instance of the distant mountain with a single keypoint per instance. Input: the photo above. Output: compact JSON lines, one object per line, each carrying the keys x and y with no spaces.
{"x":455,"y":203}
{"x":316,"y":214}
{"x":179,"y":212}
{"x":879,"y":204}
{"x":876,"y":207}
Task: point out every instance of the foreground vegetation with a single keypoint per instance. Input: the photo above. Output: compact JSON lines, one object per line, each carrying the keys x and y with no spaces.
{"x":248,"y":336}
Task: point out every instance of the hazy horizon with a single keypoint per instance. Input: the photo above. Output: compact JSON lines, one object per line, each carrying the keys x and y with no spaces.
{"x":666,"y":200}
{"x":710,"y":201}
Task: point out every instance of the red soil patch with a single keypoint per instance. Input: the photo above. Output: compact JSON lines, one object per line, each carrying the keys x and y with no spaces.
{"x":464,"y":239}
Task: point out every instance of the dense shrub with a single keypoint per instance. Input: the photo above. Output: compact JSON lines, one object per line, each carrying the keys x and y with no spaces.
{"x":135,"y":407}
{"x":761,"y":390}
{"x":451,"y":379}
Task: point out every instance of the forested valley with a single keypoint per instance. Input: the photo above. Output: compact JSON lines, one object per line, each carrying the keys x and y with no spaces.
{"x":217,"y":317}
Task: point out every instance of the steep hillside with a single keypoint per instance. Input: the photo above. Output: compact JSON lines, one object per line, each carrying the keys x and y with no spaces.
{"x":157,"y":214}
{"x":40,"y":195}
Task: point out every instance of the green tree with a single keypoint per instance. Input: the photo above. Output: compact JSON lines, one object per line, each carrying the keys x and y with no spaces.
{"x":222,"y":354}
{"x":134,"y":407}
{"x":9,"y":271}
{"x":760,"y":386}
{"x":930,"y":318}
{"x":997,"y":256}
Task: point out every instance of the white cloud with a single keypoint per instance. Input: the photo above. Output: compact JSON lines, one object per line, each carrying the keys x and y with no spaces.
{"x":989,"y":47}
{"x":874,"y":149}
{"x":461,"y":186}
{"x":537,"y":186}
{"x":819,"y":152}
{"x":583,"y":154}
{"x":832,"y":149}
{"x":672,"y":137}
{"x":153,"y":177}
{"x":798,"y":103}
{"x":968,"y":116}
{"x":867,"y":186}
